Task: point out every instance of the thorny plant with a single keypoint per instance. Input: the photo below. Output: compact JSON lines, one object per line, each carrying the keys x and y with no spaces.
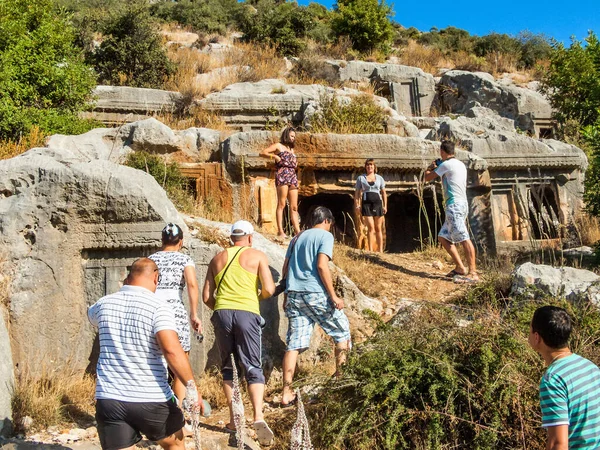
{"x":300,"y":431}
{"x":237,"y":405}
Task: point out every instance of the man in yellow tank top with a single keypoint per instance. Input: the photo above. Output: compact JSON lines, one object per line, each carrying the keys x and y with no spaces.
{"x":231,"y":289}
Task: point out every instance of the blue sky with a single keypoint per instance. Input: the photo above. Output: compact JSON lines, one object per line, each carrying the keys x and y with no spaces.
{"x":558,"y":19}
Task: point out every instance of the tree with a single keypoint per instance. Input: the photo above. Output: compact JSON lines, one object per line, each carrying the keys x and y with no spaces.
{"x":204,"y":16}
{"x":43,"y":78}
{"x":572,"y":84}
{"x":132,"y":53}
{"x":365,"y":22}
{"x":282,"y":25}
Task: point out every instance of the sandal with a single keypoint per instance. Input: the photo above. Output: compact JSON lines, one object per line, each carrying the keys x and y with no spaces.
{"x":454,"y":273}
{"x":463,"y":279}
{"x":264,"y":435}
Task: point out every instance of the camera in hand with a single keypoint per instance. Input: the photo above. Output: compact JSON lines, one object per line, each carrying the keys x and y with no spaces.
{"x":438,"y":162}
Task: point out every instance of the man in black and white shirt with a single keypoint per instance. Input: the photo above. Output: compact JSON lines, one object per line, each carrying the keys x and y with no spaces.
{"x":137,"y":334}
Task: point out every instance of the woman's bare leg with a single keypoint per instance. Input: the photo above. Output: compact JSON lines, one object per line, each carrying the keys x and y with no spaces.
{"x":378,"y":223}
{"x":282,"y":193}
{"x":293,"y":200}
{"x":370,"y":233}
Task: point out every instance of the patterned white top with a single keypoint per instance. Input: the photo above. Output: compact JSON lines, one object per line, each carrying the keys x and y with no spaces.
{"x":171,"y":283}
{"x":131,"y":366}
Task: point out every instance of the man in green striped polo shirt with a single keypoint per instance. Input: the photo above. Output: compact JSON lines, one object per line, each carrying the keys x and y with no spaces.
{"x":570,"y":388}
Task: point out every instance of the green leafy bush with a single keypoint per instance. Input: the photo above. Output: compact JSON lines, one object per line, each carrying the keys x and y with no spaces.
{"x":359,"y":116}
{"x":166,"y":174}
{"x":365,"y":22}
{"x":282,"y":25}
{"x":132,"y":53}
{"x":572,"y":84}
{"x":43,"y":78}
{"x":429,"y":383}
{"x":203,"y":16}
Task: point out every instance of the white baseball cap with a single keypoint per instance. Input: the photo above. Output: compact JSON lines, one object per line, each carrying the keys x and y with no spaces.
{"x":243,"y":227}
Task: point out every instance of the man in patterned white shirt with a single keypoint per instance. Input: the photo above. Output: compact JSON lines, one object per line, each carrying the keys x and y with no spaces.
{"x":137,"y":334}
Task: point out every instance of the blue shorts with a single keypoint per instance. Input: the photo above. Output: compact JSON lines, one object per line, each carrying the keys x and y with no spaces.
{"x":304,"y":309}
{"x":455,"y":226}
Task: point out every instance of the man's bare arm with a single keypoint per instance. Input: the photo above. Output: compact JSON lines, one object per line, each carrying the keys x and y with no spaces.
{"x":430,"y":174}
{"x":266,"y":279}
{"x":208,"y":291}
{"x":177,"y":359}
{"x":558,"y":438}
{"x":325,"y":275}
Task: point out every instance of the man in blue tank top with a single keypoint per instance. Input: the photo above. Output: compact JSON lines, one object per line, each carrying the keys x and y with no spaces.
{"x":570,"y":388}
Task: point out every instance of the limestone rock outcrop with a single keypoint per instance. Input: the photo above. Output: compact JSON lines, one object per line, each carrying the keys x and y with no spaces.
{"x":538,"y":280}
{"x":7,"y":378}
{"x":461,"y":90}
{"x":150,"y":135}
{"x":412,"y":91}
{"x":69,"y":225}
{"x":120,"y":104}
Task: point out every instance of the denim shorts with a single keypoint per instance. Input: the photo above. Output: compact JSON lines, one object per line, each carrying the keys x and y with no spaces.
{"x":455,"y":226}
{"x":304,"y":309}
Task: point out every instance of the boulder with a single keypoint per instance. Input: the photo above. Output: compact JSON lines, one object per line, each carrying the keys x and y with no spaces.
{"x":180,"y":38}
{"x":492,"y":137}
{"x":150,"y":135}
{"x":412,"y":91}
{"x":6,"y":377}
{"x":461,"y":90}
{"x":119,"y":104}
{"x":538,"y":281}
{"x":253,"y":105}
{"x":70,"y":224}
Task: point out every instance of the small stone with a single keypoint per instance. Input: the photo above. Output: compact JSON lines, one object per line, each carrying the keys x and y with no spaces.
{"x":78,"y":432}
{"x":388,"y":312}
{"x":26,"y":423}
{"x":437,"y":265}
{"x":91,"y":432}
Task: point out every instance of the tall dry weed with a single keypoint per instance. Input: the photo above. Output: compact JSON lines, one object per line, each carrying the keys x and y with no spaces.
{"x":198,"y":117}
{"x":255,"y":62}
{"x":54,"y":397}
{"x":10,"y":148}
{"x":587,"y":228}
{"x":427,"y":58}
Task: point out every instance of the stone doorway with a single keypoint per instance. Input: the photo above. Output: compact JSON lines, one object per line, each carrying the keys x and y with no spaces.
{"x":410,"y":221}
{"x":342,"y":207}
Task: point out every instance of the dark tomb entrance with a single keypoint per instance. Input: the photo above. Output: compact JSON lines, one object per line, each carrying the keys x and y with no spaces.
{"x":342,"y":207}
{"x":412,"y":222}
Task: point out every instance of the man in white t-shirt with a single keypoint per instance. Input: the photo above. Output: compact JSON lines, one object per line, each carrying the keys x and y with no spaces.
{"x":454,"y":231}
{"x":137,"y":333}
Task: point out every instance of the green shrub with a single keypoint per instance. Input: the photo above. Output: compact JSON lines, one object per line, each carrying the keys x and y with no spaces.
{"x":203,"y":16}
{"x":365,"y":22}
{"x":534,"y":47}
{"x":360,"y":116}
{"x":43,"y":78}
{"x":591,"y":134}
{"x":281,"y":25}
{"x":429,"y":383}
{"x":132,"y":53}
{"x":166,"y":174}
{"x":495,"y":43}
{"x":447,"y":40}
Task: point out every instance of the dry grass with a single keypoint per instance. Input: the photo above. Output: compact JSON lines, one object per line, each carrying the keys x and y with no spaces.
{"x":427,"y":58}
{"x":211,"y":235}
{"x":358,"y":267}
{"x":196,"y":117}
{"x":9,"y":148}
{"x":210,"y":386}
{"x":588,"y":229}
{"x":55,"y":397}
{"x":255,"y":62}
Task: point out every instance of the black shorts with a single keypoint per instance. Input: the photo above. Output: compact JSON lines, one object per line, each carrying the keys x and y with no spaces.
{"x":372,"y":205}
{"x":120,"y":423}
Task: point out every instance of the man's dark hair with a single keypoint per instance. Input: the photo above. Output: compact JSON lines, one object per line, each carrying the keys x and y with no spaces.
{"x":319,"y":215}
{"x":171,"y":234}
{"x":285,"y":137}
{"x":448,"y":147}
{"x":553,"y":324}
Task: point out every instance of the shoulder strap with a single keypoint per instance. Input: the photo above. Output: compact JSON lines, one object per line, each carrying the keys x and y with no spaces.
{"x":226,"y":268}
